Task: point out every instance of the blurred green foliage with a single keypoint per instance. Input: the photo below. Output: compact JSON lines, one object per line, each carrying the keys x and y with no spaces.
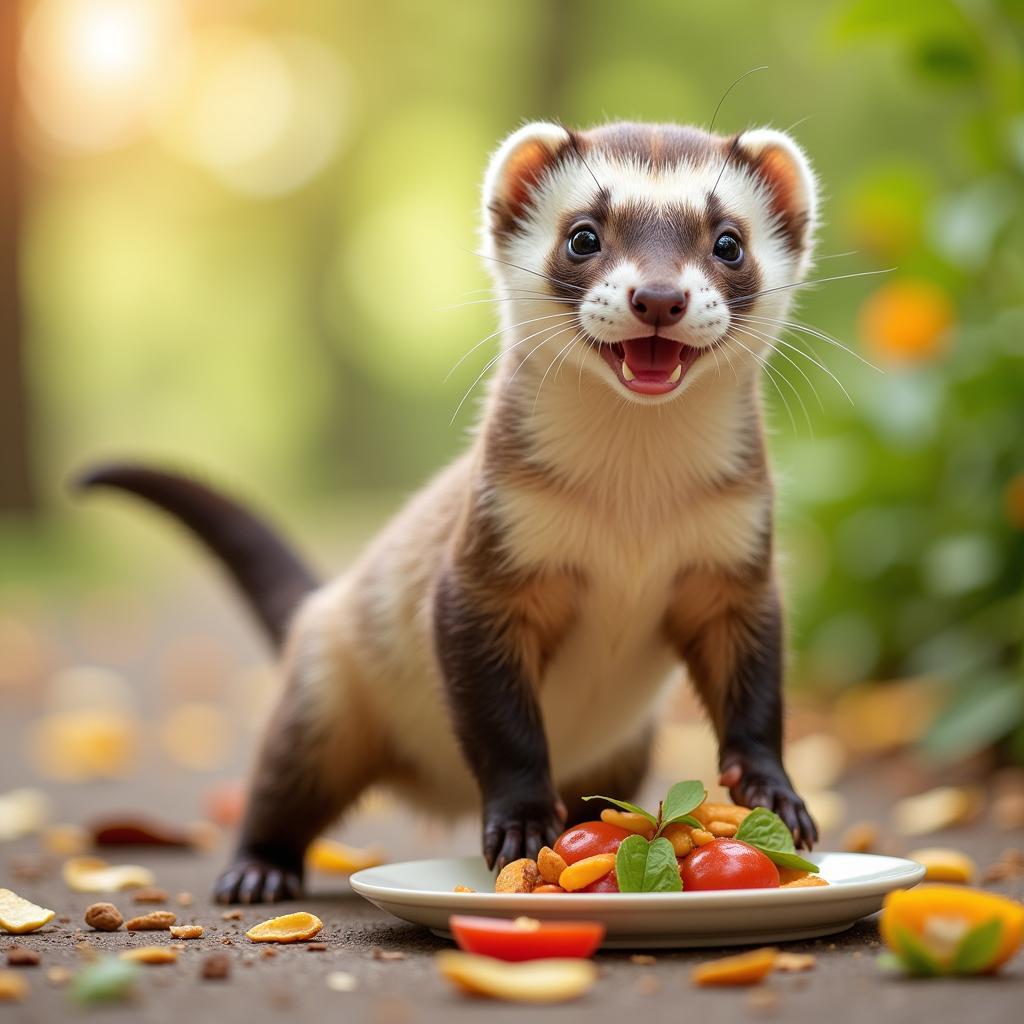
{"x":294,"y":338}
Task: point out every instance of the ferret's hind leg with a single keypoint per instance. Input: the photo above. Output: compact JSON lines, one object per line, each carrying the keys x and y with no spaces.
{"x":620,"y":776}
{"x":319,"y":753}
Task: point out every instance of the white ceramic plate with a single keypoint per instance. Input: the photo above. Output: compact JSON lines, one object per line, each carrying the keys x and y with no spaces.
{"x":421,"y":891}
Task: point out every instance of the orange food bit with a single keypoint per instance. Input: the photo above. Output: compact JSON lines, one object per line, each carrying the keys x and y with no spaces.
{"x":907,"y":321}
{"x":742,"y":969}
{"x":583,"y":872}
{"x":290,"y":928}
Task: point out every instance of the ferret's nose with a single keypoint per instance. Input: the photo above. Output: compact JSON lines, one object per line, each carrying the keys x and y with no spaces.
{"x":658,"y":304}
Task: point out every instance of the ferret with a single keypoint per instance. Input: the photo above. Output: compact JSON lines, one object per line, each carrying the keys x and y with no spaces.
{"x":508,"y":641}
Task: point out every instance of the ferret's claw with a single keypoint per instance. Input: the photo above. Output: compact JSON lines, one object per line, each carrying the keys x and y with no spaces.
{"x":519,"y":828}
{"x":256,"y":881}
{"x":769,"y":787}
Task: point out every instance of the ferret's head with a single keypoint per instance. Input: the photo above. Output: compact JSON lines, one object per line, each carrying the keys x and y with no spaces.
{"x":664,"y":246}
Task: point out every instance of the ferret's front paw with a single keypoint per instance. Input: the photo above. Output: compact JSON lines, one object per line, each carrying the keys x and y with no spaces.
{"x":250,"y":879}
{"x":517,"y":827}
{"x":755,"y":783}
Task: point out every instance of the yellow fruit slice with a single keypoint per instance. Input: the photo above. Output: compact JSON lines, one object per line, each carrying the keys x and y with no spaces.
{"x":336,"y":858}
{"x":531,"y":981}
{"x":290,"y":928}
{"x":18,"y":915}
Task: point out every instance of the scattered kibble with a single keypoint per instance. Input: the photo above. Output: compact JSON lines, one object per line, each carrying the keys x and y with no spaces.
{"x":316,"y":947}
{"x":155,"y":920}
{"x":19,"y":956}
{"x":91,"y":874}
{"x":108,"y":980}
{"x":18,"y":916}
{"x":66,"y":840}
{"x":232,"y":915}
{"x":295,"y":927}
{"x":216,"y":967}
{"x":58,"y":975}
{"x":13,"y":987}
{"x":387,"y":954}
{"x":137,"y":831}
{"x":742,"y":969}
{"x":23,"y":812}
{"x":794,"y":962}
{"x":936,"y":809}
{"x":151,"y":955}
{"x":342,"y":981}
{"x":530,"y":981}
{"x":861,"y":837}
{"x":149,"y":894}
{"x":187,"y":931}
{"x":104,"y":917}
{"x":185,"y":899}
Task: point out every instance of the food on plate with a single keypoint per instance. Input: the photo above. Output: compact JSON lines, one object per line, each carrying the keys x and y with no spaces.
{"x":535,"y":981}
{"x":689,"y":844}
{"x":525,"y":938}
{"x":950,"y":929}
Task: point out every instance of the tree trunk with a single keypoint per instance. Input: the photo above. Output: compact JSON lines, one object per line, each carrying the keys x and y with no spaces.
{"x":16,"y":491}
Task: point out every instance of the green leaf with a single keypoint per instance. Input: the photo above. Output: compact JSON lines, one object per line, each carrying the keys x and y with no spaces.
{"x":766,"y":830}
{"x":641,"y":866}
{"x":978,"y":947}
{"x":793,"y":861}
{"x":914,"y":956}
{"x":682,"y":798}
{"x":626,"y":806}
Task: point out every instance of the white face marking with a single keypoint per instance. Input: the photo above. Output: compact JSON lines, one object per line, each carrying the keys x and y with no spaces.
{"x":712,"y":333}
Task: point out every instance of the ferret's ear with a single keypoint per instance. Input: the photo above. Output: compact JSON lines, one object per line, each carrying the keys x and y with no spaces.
{"x":781,"y":164}
{"x":516,"y":169}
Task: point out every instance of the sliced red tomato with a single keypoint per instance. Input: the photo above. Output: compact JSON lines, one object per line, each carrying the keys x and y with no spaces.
{"x":728,"y":864}
{"x":525,"y":938}
{"x":589,"y":839}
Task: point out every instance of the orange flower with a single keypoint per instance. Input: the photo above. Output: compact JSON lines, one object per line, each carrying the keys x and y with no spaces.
{"x":907,"y":321}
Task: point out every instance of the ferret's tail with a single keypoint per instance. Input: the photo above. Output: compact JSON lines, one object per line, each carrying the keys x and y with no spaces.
{"x":271,"y":577}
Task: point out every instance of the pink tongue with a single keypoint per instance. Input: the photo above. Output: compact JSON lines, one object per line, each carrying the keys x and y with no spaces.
{"x":652,"y":357}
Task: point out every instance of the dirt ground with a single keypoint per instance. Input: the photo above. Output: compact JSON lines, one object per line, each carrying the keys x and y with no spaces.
{"x":845,"y":985}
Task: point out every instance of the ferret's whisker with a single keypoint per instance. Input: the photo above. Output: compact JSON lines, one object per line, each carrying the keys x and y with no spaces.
{"x":494,"y":334}
{"x":507,"y":298}
{"x":795,"y":325}
{"x":536,"y":348}
{"x":806,"y":284}
{"x":536,"y":273}
{"x":569,"y":343}
{"x":770,"y":342}
{"x":771,"y":372}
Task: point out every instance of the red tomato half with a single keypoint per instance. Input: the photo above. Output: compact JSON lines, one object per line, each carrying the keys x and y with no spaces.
{"x":728,"y":864}
{"x":588,"y":840}
{"x":534,"y":940}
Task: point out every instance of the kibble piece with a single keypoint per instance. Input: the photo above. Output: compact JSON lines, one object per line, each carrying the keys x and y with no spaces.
{"x":742,"y":969}
{"x":18,"y":916}
{"x":289,"y":928}
{"x":216,"y":966}
{"x":58,"y":975}
{"x":861,"y":837}
{"x":149,"y":894}
{"x":463,"y":888}
{"x":19,"y":956}
{"x":585,"y":871}
{"x":722,"y":829}
{"x":13,"y":987}
{"x":185,"y":899}
{"x":104,"y":917}
{"x":155,"y":920}
{"x":548,"y":890}
{"x":232,"y":915}
{"x":800,"y":880}
{"x":187,"y":931}
{"x":316,"y":947}
{"x":629,"y":820}
{"x":550,"y":865}
{"x":387,"y":954}
{"x":532,"y":981}
{"x":91,"y":874}
{"x":151,"y":955}
{"x":795,"y":961}
{"x":518,"y":876}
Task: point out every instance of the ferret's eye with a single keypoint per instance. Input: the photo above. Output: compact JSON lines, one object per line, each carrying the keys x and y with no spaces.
{"x":728,"y":248}
{"x":584,"y":242}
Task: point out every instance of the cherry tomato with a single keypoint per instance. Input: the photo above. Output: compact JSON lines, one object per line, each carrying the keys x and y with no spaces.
{"x":607,"y":884}
{"x":728,"y":864}
{"x":525,"y":939}
{"x":588,"y":840}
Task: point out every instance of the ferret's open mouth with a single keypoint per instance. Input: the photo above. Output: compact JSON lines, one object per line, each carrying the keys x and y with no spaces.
{"x":652,"y":365}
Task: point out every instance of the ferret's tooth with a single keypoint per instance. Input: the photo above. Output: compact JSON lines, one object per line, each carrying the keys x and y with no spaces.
{"x":627,"y":373}
{"x":676,"y":373}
